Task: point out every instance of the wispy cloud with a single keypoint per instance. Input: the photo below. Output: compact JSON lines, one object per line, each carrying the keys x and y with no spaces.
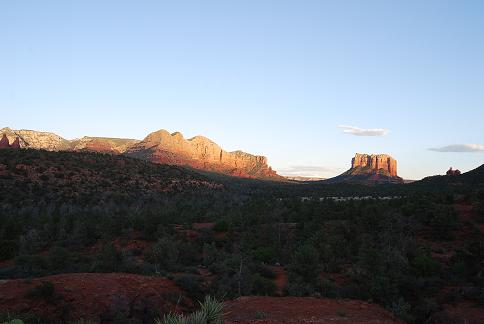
{"x":459,"y":148}
{"x":308,"y":171}
{"x":364,"y":132}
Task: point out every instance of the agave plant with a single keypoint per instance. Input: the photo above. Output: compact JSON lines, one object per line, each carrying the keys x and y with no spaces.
{"x":211,"y":312}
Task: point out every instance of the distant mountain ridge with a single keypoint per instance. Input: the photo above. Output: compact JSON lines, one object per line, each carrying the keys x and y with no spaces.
{"x":370,"y":169}
{"x":159,"y":147}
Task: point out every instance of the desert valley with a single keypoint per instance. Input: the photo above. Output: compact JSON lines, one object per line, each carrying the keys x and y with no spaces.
{"x":241,"y":162}
{"x":128,"y":231}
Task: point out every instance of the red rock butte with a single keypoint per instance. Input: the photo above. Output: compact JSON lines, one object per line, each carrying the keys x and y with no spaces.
{"x":370,"y":169}
{"x":376,"y":163}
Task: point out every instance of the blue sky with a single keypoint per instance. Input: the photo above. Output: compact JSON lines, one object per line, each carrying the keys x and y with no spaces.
{"x":275,"y":78}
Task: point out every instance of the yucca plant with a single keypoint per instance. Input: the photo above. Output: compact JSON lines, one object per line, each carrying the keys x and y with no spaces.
{"x":211,"y":312}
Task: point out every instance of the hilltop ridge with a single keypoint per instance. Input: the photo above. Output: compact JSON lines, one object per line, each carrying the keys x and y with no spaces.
{"x":198,"y":152}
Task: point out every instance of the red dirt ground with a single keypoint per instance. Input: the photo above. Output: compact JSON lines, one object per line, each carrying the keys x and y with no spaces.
{"x":295,"y":310}
{"x":461,"y":313}
{"x":94,"y":295}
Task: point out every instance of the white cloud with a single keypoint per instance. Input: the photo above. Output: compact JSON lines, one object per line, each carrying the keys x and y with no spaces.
{"x":308,"y":171}
{"x":459,"y":148}
{"x":363,"y":132}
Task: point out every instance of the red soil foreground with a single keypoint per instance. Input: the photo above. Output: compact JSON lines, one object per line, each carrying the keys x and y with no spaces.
{"x":94,"y":296}
{"x":103,"y":296}
{"x":461,"y":313}
{"x":298,"y":310}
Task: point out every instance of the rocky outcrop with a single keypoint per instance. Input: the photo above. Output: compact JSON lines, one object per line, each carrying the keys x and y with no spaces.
{"x":5,"y":143}
{"x":376,"y":163}
{"x":103,"y":144}
{"x":16,"y":143}
{"x":453,"y":172}
{"x":37,"y":140}
{"x":201,"y":153}
{"x":370,"y":169}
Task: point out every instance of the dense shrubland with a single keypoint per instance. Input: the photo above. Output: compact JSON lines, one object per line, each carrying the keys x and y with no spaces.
{"x":83,"y":210}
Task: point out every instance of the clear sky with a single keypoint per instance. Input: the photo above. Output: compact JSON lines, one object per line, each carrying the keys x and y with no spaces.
{"x":274,"y":78}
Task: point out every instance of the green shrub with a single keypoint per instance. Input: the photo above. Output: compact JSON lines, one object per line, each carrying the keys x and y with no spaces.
{"x":305,"y":263}
{"x":20,"y":318}
{"x":191,"y":284}
{"x":165,"y":254}
{"x":109,"y":259}
{"x":298,"y":288}
{"x":402,"y":309}
{"x":45,"y":291}
{"x":8,"y":249}
{"x":59,"y":258}
{"x":265,"y":271}
{"x":424,"y":265}
{"x":33,"y":265}
{"x":221,"y":226}
{"x":210,"y":254}
{"x":262,"y":286}
{"x":264,"y":254}
{"x":261,"y":315}
{"x":341,"y":313}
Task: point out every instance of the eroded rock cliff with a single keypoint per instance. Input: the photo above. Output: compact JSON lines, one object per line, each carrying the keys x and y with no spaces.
{"x":160,"y":147}
{"x":201,"y":153}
